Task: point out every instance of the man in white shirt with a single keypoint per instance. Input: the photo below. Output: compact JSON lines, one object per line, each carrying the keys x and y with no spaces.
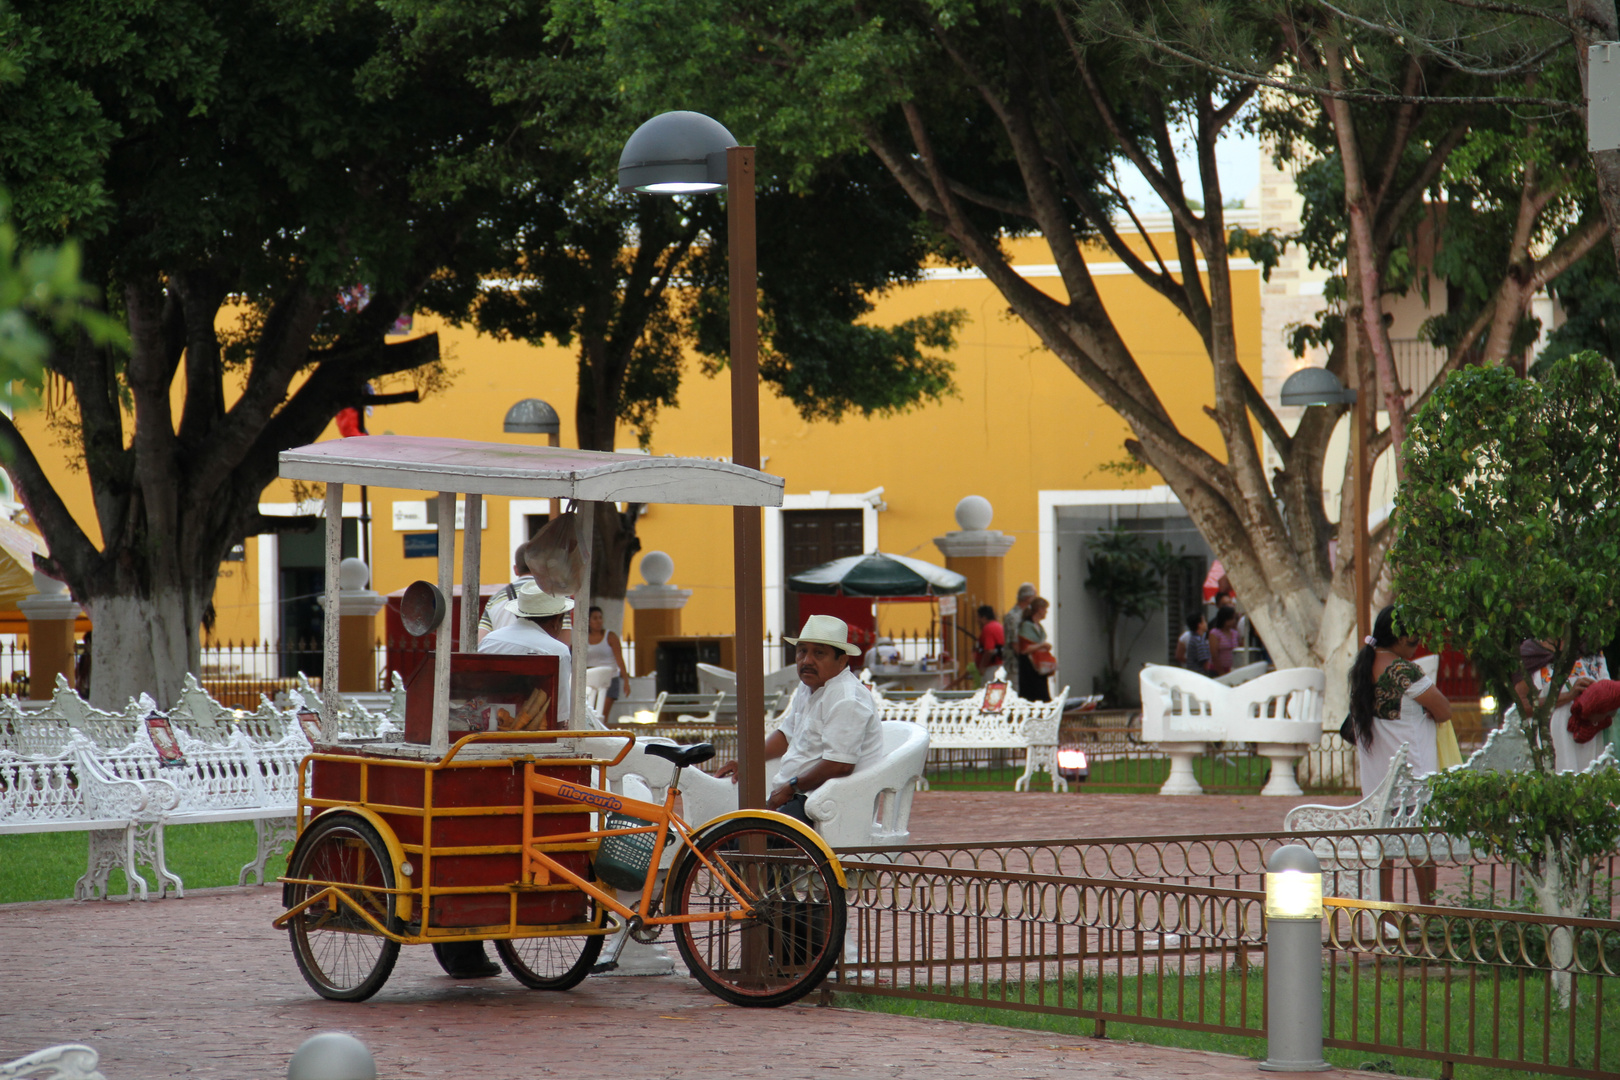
{"x":832,"y":727}
{"x":536,"y":618}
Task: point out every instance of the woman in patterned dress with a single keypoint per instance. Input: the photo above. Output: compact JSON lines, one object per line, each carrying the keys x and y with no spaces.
{"x":1392,"y":702}
{"x":1569,"y":755}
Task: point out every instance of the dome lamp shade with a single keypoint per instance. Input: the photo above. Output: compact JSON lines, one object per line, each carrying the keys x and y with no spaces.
{"x":1316,"y":386}
{"x":676,"y":153}
{"x":531,"y":416}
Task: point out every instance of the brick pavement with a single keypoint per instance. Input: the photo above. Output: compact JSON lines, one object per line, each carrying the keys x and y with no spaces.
{"x":203,"y":987}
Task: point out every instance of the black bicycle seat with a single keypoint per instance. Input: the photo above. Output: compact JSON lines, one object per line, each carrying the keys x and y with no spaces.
{"x":682,"y":756}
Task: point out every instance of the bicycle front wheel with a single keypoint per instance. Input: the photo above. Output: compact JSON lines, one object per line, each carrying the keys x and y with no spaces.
{"x":794,"y":931}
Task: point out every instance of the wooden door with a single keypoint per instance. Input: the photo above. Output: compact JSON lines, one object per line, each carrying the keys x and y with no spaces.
{"x":810,"y":538}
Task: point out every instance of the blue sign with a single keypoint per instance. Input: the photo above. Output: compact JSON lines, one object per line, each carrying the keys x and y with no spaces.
{"x":422,"y":545}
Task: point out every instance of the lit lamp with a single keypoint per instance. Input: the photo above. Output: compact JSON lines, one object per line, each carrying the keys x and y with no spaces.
{"x":683,"y":153}
{"x":1293,"y":961}
{"x":1318,"y":386}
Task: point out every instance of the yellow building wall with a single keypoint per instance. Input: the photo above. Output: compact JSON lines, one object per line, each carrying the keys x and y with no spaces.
{"x":1020,"y":422}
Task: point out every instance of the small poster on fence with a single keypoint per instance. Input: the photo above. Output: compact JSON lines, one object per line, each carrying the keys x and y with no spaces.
{"x":310,"y":721}
{"x":163,"y":740}
{"x":995,"y":696}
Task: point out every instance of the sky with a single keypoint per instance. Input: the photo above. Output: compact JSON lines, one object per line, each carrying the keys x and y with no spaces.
{"x":1237,"y":154}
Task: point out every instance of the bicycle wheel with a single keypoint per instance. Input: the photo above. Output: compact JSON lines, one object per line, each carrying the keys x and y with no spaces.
{"x":551,"y":963}
{"x":796,"y":932}
{"x":339,"y":953}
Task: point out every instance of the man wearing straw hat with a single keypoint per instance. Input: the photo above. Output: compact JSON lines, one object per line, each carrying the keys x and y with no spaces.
{"x":535,"y":617}
{"x":831,"y":728}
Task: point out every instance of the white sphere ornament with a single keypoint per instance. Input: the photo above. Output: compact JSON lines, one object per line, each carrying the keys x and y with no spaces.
{"x":332,"y":1055}
{"x":353,"y":575}
{"x":657,"y":568}
{"x":974,"y":512}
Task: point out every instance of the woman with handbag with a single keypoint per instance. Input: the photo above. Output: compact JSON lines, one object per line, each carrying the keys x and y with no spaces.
{"x":1035,"y":659}
{"x":1392,"y":702}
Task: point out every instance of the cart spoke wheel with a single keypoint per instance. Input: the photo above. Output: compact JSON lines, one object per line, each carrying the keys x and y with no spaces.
{"x":796,"y":932}
{"x":551,"y":963}
{"x":339,"y":953}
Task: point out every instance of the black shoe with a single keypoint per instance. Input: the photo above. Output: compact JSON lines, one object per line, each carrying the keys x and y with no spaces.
{"x":465,"y":960}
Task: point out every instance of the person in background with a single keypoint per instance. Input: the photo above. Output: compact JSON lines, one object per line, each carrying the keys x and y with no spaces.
{"x":1393,"y":703}
{"x":495,"y":614}
{"x":883,"y":652}
{"x":1009,"y":629}
{"x":992,"y":646}
{"x":1223,"y":640}
{"x":1192,"y":649}
{"x":1537,"y":660}
{"x":605,"y":650}
{"x":1032,"y":636}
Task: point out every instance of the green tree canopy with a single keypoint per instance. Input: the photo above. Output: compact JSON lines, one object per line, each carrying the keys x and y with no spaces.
{"x":1509,"y":520}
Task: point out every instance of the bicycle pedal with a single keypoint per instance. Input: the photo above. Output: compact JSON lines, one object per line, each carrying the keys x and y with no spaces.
{"x":603,"y":969}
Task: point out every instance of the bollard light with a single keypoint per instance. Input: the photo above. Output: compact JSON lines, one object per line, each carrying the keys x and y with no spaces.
{"x":332,"y":1055}
{"x":1293,"y":961}
{"x":643,"y":716}
{"x":1487,"y":704}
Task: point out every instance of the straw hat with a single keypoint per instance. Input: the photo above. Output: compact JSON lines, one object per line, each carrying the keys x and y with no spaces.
{"x":826,"y":630}
{"x":532,"y":603}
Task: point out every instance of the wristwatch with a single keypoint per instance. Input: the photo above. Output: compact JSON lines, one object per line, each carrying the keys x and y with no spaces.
{"x":793,"y":786}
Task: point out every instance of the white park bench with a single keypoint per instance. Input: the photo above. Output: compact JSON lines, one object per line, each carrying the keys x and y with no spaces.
{"x":962,"y":724}
{"x":1183,"y":712}
{"x":72,"y":792}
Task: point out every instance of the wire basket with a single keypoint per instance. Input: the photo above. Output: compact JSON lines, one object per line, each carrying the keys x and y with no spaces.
{"x":622,"y":861}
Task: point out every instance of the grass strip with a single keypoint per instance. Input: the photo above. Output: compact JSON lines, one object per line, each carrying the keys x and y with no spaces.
{"x":44,"y":866}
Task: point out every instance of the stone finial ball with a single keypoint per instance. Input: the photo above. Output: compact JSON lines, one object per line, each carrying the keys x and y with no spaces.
{"x":332,"y":1055}
{"x":657,"y":568}
{"x":48,"y":586}
{"x":974,"y":512}
{"x":353,"y":574}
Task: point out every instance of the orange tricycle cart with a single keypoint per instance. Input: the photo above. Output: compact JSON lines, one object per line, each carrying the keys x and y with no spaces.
{"x":515,"y":835}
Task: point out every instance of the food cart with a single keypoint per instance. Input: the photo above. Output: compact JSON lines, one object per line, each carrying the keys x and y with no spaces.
{"x":502,"y":835}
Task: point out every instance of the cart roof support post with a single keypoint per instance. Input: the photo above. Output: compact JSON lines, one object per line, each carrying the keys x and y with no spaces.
{"x":472,"y":546}
{"x":441,"y":636}
{"x":579,"y":638}
{"x":329,"y":647}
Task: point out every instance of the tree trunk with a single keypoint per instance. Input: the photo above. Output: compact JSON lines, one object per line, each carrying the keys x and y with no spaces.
{"x":142,"y":644}
{"x":1562,"y":892}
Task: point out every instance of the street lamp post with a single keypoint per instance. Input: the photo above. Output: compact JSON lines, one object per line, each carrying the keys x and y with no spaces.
{"x":683,"y":153}
{"x":1318,"y":386}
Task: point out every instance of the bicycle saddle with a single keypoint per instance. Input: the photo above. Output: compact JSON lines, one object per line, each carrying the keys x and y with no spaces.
{"x":682,"y":756}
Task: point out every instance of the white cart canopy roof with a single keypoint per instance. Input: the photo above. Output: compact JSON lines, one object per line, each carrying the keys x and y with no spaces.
{"x":418,"y":463}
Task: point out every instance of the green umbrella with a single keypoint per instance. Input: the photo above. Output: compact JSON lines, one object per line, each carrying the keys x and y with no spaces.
{"x":878,"y":574}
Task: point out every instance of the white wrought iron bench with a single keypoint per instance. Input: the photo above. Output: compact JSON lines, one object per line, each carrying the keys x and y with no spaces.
{"x":1183,"y":712}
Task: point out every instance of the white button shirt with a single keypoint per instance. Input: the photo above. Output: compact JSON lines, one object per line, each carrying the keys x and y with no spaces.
{"x":523,"y":638}
{"x":838,"y":722}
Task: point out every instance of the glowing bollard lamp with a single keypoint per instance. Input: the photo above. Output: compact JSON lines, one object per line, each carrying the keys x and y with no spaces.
{"x":1293,"y":961}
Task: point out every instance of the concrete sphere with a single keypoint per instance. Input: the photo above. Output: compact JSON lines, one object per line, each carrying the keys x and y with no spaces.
{"x":332,"y":1055}
{"x":974,"y":512}
{"x":657,"y":568}
{"x":353,"y":574}
{"x":48,"y":586}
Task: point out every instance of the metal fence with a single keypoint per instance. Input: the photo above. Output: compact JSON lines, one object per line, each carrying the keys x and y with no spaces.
{"x":1169,"y":932}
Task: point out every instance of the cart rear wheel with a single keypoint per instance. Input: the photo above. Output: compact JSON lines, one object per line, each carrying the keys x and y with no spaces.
{"x":339,"y":952}
{"x":797,"y":930}
{"x":550,"y":963}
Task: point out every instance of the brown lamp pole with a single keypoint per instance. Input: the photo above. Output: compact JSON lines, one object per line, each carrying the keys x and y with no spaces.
{"x":681,"y":153}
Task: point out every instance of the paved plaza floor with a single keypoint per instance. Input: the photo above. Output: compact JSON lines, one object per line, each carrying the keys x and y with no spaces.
{"x":203,"y":987}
